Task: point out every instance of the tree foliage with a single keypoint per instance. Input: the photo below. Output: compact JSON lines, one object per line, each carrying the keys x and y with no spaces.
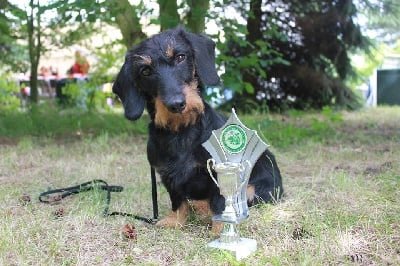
{"x":13,"y":55}
{"x":26,"y":26}
{"x":381,"y":19}
{"x":274,"y":54}
{"x":313,"y":41}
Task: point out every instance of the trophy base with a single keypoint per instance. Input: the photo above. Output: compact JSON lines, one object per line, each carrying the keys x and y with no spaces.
{"x":241,"y":249}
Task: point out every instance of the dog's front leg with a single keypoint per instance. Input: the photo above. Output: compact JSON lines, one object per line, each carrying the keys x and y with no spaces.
{"x":176,"y":219}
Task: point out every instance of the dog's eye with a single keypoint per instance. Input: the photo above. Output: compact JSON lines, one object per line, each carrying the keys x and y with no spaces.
{"x":146,"y":71}
{"x":180,"y":58}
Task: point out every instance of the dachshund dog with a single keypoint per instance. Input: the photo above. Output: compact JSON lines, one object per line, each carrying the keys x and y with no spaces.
{"x":167,"y":74}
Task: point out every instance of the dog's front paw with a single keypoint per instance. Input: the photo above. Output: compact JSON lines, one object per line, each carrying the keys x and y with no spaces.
{"x":202,"y":209}
{"x":172,"y":220}
{"x":175,"y":219}
{"x":216,"y":229}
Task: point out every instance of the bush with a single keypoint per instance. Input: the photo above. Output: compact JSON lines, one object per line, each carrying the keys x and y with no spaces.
{"x":9,"y":94}
{"x":85,"y":95}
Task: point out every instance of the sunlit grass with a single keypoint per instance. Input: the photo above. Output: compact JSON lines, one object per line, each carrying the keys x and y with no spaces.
{"x":341,"y":179}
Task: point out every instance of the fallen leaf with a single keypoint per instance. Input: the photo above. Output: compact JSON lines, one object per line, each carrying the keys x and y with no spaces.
{"x":129,"y":232}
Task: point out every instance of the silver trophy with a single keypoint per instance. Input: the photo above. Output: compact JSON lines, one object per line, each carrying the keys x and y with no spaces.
{"x":234,"y":150}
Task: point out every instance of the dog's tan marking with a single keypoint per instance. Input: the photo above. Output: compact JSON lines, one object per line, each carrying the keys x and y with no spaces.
{"x":202,"y":208}
{"x":170,"y":51}
{"x":171,"y":121}
{"x":145,"y":59}
{"x":175,"y":219}
{"x":251,"y":192}
{"x":216,"y":228}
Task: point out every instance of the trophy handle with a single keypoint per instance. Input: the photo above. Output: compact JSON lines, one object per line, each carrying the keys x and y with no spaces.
{"x":245,"y":174}
{"x":212,"y":163}
{"x":245,"y":167}
{"x":241,"y":197}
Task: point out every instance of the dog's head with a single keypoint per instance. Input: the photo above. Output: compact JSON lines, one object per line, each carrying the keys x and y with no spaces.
{"x":165,"y":72}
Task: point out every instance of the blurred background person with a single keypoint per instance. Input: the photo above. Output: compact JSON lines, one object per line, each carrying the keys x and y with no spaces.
{"x":81,"y":64}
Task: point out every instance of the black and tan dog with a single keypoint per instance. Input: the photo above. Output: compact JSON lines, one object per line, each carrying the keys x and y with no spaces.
{"x":167,"y":74}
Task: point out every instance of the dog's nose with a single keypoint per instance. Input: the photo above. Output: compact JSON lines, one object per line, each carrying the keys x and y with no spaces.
{"x":177,"y":106}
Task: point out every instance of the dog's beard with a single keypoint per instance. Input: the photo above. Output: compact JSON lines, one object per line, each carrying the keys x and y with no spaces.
{"x":174,"y":121}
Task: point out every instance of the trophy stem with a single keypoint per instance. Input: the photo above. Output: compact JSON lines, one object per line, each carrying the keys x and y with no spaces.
{"x":229,"y":214}
{"x":229,"y":234}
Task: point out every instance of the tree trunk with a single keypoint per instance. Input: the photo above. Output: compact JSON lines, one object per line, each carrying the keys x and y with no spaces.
{"x":196,"y":17}
{"x":128,"y":22}
{"x":169,"y":17}
{"x":34,"y":40}
{"x":254,"y":33}
{"x":254,"y":22}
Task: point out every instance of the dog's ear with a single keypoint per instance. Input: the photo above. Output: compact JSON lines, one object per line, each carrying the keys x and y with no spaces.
{"x":204,"y":52}
{"x":124,"y":87}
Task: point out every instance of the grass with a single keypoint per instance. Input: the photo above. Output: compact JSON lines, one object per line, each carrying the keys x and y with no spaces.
{"x":67,"y":124}
{"x":341,"y":177}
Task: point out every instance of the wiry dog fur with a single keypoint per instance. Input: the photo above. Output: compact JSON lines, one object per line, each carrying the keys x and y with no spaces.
{"x":166,"y":74}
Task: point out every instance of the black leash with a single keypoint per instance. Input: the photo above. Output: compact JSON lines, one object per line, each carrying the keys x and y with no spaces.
{"x":55,"y":195}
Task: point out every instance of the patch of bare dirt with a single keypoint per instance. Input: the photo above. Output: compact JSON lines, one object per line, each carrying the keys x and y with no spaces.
{"x":371,"y":169}
{"x":8,"y":141}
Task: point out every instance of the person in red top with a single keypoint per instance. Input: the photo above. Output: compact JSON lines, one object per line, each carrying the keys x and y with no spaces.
{"x":81,"y":64}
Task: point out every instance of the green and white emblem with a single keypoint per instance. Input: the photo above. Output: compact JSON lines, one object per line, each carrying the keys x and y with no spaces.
{"x":234,"y":142}
{"x":233,"y":138}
